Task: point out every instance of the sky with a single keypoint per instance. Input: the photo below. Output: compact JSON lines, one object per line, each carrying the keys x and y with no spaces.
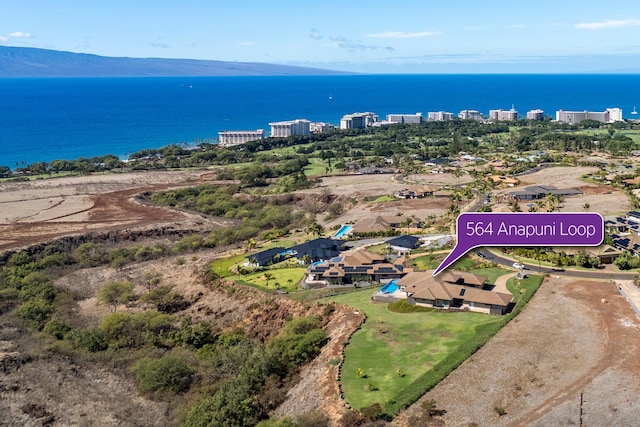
{"x":401,"y":36}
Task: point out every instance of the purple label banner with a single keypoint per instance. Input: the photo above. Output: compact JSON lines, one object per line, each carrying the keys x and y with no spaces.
{"x":476,"y":229}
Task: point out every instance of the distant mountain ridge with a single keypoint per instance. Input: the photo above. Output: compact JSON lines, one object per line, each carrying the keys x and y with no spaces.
{"x":37,"y":63}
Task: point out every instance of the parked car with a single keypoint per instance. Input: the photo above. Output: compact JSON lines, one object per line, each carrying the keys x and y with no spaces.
{"x":518,"y":265}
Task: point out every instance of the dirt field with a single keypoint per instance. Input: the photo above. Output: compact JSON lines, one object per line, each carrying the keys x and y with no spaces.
{"x":36,"y":211}
{"x":577,"y":341}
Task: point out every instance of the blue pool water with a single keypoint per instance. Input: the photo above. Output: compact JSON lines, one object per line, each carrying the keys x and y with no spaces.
{"x":343,"y":230}
{"x":390,"y":287}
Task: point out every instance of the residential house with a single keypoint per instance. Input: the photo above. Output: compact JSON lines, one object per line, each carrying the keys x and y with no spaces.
{"x":423,"y":289}
{"x":266,"y":257}
{"x":353,"y":267}
{"x":632,"y":182}
{"x":606,"y":253}
{"x":320,"y":249}
{"x":535,"y":192}
{"x":415,"y":193}
{"x":501,"y":179}
{"x":403,"y":244}
{"x":381,"y":224}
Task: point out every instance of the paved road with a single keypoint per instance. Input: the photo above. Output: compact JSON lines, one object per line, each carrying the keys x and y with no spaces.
{"x":534,"y":269}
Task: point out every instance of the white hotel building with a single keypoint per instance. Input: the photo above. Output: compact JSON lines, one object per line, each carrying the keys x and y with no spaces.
{"x":358,"y":120}
{"x":228,"y":138}
{"x":609,"y":115}
{"x":439,"y":116}
{"x":470,"y":114}
{"x":509,"y":115}
{"x":290,"y":127}
{"x":537,"y":114}
{"x":405,"y":118}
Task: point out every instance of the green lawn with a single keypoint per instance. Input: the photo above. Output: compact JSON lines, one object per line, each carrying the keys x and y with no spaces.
{"x":223,"y":266}
{"x":388,"y":342}
{"x":285,"y":278}
{"x":492,"y":273}
{"x":428,"y":262}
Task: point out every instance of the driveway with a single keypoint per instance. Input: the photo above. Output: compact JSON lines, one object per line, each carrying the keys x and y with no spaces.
{"x":500,"y":284}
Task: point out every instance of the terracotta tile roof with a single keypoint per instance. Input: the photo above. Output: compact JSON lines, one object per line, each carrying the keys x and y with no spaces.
{"x":423,"y":285}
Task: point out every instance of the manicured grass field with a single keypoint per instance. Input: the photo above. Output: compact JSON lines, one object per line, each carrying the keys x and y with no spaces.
{"x":315,"y":167}
{"x":223,"y":266}
{"x":428,"y":262}
{"x":492,"y":273}
{"x":285,"y":278}
{"x":392,"y":350}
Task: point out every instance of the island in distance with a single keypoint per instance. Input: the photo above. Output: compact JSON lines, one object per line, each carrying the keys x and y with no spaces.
{"x":16,"y":62}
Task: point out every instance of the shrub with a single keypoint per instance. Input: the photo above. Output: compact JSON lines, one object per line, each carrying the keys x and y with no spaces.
{"x":35,"y":311}
{"x":169,"y":373}
{"x":37,"y":285}
{"x":91,"y":340}
{"x":90,"y":254}
{"x":124,"y":330}
{"x":56,"y":328}
{"x":116,"y":293}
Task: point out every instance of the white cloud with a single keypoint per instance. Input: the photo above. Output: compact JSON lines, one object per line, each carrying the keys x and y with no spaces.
{"x":610,"y":23}
{"x":4,"y":39}
{"x":249,"y":43}
{"x":403,"y":35}
{"x":20,"y":34}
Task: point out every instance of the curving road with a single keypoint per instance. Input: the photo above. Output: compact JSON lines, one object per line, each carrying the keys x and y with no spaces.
{"x":534,"y":269}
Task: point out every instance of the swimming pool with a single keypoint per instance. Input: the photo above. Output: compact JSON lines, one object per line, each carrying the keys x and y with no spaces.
{"x":390,"y":287}
{"x":343,"y":230}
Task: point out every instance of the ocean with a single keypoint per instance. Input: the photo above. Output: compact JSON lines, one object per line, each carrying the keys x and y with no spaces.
{"x":49,"y":119}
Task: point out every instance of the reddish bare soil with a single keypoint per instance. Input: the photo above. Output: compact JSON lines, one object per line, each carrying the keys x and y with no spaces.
{"x":38,"y":211}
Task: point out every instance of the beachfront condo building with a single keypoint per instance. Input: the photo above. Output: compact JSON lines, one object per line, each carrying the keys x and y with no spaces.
{"x":290,"y":127}
{"x":228,"y":138}
{"x":358,"y":120}
{"x":607,"y":116}
{"x":537,"y":114}
{"x":405,"y":118}
{"x":320,"y":127}
{"x":470,"y":114}
{"x":511,"y":114}
{"x":439,"y":116}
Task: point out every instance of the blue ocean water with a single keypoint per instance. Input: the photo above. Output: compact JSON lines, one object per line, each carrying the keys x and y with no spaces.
{"x":48,"y":119}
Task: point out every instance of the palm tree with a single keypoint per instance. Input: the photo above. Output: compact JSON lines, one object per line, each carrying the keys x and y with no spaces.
{"x":251,"y":244}
{"x":315,"y":228}
{"x":267,"y":276}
